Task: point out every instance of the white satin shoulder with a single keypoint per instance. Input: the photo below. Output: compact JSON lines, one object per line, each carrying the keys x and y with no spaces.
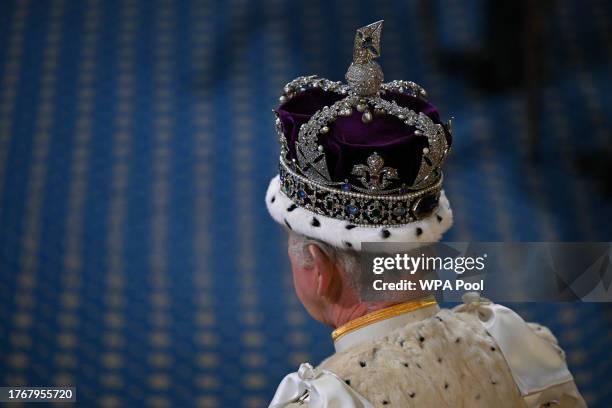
{"x":537,"y":366}
{"x":319,"y":388}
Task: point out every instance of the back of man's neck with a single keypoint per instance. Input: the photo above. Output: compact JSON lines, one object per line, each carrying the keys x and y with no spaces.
{"x":343,"y":315}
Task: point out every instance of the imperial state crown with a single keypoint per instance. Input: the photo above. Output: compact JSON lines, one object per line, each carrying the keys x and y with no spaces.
{"x":362,"y":161}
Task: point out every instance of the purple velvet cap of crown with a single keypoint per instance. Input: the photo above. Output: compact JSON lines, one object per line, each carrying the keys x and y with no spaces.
{"x":350,"y":141}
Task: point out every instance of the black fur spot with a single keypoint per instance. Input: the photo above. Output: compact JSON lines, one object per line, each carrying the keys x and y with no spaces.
{"x":419,"y":231}
{"x":385,"y":233}
{"x":412,"y":394}
{"x":445,"y":385}
{"x":288,"y":225}
{"x":362,"y":363}
{"x":406,"y":365}
{"x":493,"y":349}
{"x":493,"y":382}
{"x":292,"y":207}
{"x":439,"y":218}
{"x":348,"y":244}
{"x":418,"y":365}
{"x":348,"y":382}
{"x":439,"y":359}
{"x":458,"y":340}
{"x":315,"y":222}
{"x":421,"y":339}
{"x":385,"y":402}
{"x":439,"y":318}
{"x":350,"y":226}
{"x":273,"y":199}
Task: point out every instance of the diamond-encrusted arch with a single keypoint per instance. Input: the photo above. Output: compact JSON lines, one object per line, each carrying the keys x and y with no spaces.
{"x":311,"y":157}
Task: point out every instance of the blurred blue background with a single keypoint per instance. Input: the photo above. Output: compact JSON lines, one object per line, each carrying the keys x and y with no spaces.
{"x":137,"y":260}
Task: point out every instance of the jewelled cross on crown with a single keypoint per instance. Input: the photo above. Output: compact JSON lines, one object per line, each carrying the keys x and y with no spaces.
{"x":364,"y":75}
{"x":367,"y":43}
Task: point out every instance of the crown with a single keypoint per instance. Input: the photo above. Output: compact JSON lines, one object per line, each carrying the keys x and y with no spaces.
{"x":366,"y":152}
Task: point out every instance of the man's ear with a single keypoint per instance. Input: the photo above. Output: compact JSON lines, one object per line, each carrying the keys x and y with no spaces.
{"x":328,"y":281}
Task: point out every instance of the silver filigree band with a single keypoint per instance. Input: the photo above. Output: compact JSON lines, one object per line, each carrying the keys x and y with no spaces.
{"x":358,"y":208}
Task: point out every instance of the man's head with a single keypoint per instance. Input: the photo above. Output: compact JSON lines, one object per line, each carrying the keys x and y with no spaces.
{"x":325,"y":278}
{"x":328,"y":280}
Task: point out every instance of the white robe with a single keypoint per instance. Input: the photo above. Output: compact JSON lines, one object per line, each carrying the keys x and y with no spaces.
{"x":444,"y":358}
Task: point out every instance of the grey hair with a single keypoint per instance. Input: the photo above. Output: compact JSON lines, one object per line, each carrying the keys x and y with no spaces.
{"x":347,"y":260}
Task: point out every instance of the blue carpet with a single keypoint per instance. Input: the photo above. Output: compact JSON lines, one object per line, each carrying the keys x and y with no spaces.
{"x":137,"y":260}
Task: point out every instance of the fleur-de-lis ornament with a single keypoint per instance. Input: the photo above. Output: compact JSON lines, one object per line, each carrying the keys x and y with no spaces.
{"x":375,"y":176}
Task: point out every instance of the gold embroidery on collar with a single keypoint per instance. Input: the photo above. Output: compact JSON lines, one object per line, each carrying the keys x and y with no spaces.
{"x":383,"y":314}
